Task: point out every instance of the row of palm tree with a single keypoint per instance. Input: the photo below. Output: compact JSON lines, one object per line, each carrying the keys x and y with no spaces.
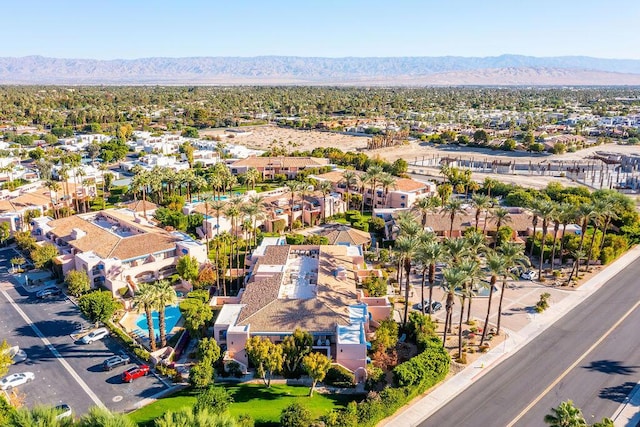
{"x":155,"y":297}
{"x":467,"y":260}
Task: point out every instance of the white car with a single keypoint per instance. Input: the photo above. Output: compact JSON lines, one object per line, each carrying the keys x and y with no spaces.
{"x":64,"y":411}
{"x":95,"y":335}
{"x":15,"y":380}
{"x":529,"y":275}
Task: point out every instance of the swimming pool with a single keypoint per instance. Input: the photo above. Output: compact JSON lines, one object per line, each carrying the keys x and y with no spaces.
{"x":171,"y":313}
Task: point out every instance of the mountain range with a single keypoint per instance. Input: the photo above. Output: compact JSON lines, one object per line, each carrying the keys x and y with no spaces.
{"x":505,"y":70}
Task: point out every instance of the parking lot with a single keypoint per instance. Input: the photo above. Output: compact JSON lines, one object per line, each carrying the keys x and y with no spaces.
{"x":65,"y":371}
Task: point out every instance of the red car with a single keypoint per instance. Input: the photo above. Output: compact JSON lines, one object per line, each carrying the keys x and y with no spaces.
{"x":135,"y":372}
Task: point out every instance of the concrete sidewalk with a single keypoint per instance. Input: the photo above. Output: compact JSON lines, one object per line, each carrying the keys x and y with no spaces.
{"x":423,"y":408}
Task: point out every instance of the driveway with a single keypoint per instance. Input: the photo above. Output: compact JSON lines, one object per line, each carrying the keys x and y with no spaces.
{"x":65,"y":371}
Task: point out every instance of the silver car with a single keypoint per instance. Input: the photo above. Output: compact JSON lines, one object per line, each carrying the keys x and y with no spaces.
{"x":95,"y":335}
{"x":15,"y":380}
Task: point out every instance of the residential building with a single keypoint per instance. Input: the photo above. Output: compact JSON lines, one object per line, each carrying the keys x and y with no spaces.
{"x":269,"y":167}
{"x":308,"y":287}
{"x":117,"y":248}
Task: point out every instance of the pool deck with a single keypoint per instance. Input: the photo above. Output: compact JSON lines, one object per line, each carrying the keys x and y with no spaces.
{"x":129,"y":323}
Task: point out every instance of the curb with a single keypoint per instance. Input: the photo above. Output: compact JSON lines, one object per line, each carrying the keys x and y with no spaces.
{"x":430,"y":403}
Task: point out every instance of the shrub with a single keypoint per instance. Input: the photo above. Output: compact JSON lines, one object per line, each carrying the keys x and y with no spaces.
{"x":216,"y":399}
{"x":245,"y":420}
{"x":338,"y":376}
{"x":364,"y":226}
{"x":425,"y":369}
{"x":142,"y":354}
{"x":234,"y":369}
{"x":375,"y":377}
{"x":201,"y":294}
{"x":295,"y":415}
{"x":375,"y":286}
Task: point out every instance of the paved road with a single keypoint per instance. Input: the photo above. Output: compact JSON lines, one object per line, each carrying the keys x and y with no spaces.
{"x":74,"y":374}
{"x":553,"y":367}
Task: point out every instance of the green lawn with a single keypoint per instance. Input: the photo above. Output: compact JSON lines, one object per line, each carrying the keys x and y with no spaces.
{"x":263,"y":404}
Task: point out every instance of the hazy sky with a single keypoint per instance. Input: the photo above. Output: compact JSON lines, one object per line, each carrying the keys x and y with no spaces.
{"x":109,"y":29}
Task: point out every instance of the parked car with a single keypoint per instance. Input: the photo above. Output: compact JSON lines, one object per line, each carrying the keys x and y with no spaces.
{"x":529,"y":275}
{"x":64,"y":411}
{"x":114,"y":361}
{"x":15,"y":380}
{"x":49,"y":291}
{"x":135,"y":372}
{"x":95,"y":335}
{"x":17,"y":354}
{"x":435,"y":306}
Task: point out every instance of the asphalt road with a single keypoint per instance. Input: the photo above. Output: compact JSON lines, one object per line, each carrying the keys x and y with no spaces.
{"x":73,"y":375}
{"x":554,"y":367}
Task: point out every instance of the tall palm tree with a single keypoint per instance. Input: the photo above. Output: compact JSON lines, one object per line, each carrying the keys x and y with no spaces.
{"x":497,"y":265}
{"x":350,"y":178}
{"x":533,"y":207}
{"x":293,"y":186}
{"x":609,"y":212}
{"x":217,"y":206}
{"x":429,"y":254}
{"x":103,"y":168}
{"x":475,"y":242}
{"x":568,"y":215}
{"x":406,"y":247}
{"x":514,"y":257}
{"x":501,"y":216}
{"x":198,"y":183}
{"x":374,"y":173}
{"x":164,"y":295}
{"x":426,"y":206}
{"x":252,"y":176}
{"x":325,"y":187}
{"x":454,"y":278}
{"x":471,"y":267}
{"x":233,"y":211}
{"x":457,"y":248}
{"x":53,"y":187}
{"x":545,"y":211}
{"x":482,"y":203}
{"x":140,"y":183}
{"x":364,"y":179}
{"x":453,"y":208}
{"x":387,"y":181}
{"x":258,"y":212}
{"x":556,"y":217}
{"x":145,"y":298}
{"x":586,"y":213}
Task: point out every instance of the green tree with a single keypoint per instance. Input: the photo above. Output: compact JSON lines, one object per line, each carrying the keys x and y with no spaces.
{"x":77,"y":282}
{"x":201,"y":375}
{"x":316,"y":366}
{"x":190,"y":132}
{"x":188,"y":268}
{"x":295,"y":415}
{"x":41,"y":416}
{"x":265,"y":356}
{"x":5,"y":232}
{"x":43,"y":256}
{"x":208,"y":350}
{"x":98,"y":306}
{"x":386,"y":336}
{"x":5,"y":358}
{"x":196,"y":317}
{"x":565,"y":415}
{"x":294,"y":348}
{"x":215,"y":399}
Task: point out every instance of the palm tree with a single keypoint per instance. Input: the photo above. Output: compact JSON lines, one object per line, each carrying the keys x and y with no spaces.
{"x":53,"y":187}
{"x":482,"y":203}
{"x":199,"y":184}
{"x":103,"y":168}
{"x":586,"y":212}
{"x":387,"y":181}
{"x":305,"y":189}
{"x":567,"y":216}
{"x":534,"y":221}
{"x":556,"y":217}
{"x":429,"y":255}
{"x":609,"y":212}
{"x":501,"y":216}
{"x":453,"y":207}
{"x":497,"y":264}
{"x":374,"y":174}
{"x":217,"y":206}
{"x":514,"y":257}
{"x":475,"y":242}
{"x":252,"y":176}
{"x":471,"y":268}
{"x":425,"y":206}
{"x":325,"y":187}
{"x":145,"y":298}
{"x":233,"y":211}
{"x":164,"y":295}
{"x":454,"y":278}
{"x":406,"y":247}
{"x":293,"y":186}
{"x":350,"y":178}
{"x":364,"y":180}
{"x":258,"y":213}
{"x":565,"y":415}
{"x":457,"y":248}
{"x":545,"y":211}
{"x":139,"y":183}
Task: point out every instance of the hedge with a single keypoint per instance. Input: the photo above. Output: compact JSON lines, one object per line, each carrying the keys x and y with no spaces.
{"x":337,"y":376}
{"x":412,"y":378}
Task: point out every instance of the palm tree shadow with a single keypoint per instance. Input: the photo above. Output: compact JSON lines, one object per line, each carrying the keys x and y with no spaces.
{"x":610,"y":367}
{"x":617,"y":393}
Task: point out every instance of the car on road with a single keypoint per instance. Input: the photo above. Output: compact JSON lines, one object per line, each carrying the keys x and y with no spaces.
{"x":134,"y":373}
{"x":15,"y":380}
{"x":49,"y":291}
{"x":63,"y":410}
{"x":529,"y":275}
{"x":115,"y":361}
{"x":95,"y":335}
{"x":435,"y":306}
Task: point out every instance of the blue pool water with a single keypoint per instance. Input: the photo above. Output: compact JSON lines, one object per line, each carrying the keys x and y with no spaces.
{"x":171,"y":313}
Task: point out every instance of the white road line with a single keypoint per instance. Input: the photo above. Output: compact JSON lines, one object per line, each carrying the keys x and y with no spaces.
{"x":573,"y":365}
{"x":53,"y":350}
